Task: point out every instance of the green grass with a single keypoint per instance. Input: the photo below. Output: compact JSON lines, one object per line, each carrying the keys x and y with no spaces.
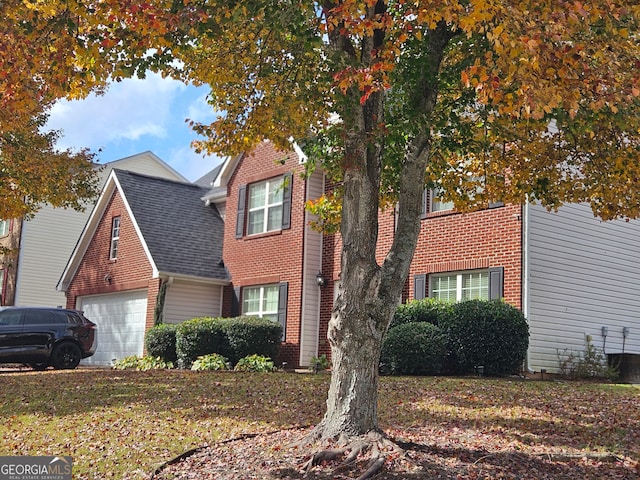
{"x":123,"y":424}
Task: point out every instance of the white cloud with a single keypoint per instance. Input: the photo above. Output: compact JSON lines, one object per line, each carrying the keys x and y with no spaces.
{"x":129,"y":110}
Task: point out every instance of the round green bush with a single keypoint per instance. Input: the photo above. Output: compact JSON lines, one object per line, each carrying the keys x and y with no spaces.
{"x":160,"y":341}
{"x":200,"y":336}
{"x":428,"y":310}
{"x":416,"y":348}
{"x":491,"y":334}
{"x":252,"y":335}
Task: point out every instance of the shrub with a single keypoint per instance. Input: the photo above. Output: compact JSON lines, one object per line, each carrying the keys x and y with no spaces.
{"x":251,"y":335}
{"x":134,"y":362}
{"x":200,"y":336}
{"x":255,"y":363}
{"x":428,"y":310}
{"x":492,"y":334}
{"x":590,"y":364}
{"x":416,"y":348}
{"x":213,"y":361}
{"x":318,"y":364}
{"x":160,"y":341}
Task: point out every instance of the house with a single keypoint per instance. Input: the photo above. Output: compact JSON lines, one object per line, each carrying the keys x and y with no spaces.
{"x":151,"y":250}
{"x":29,"y":274}
{"x":574,"y":276}
{"x":569,"y":272}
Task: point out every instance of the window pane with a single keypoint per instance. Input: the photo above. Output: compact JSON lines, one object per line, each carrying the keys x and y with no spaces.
{"x":475,"y":286}
{"x":437,"y":204}
{"x":444,"y":288}
{"x":257,"y":195}
{"x":275,"y":218}
{"x":251,"y":301}
{"x":275,"y":191}
{"x":256,"y":222}
{"x":270,"y":304}
{"x":4,"y":228}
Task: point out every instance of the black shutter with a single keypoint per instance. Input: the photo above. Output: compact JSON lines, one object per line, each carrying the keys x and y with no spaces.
{"x":235,"y":302}
{"x":419,"y":286}
{"x":496,"y":282}
{"x":425,"y":203}
{"x":286,"y":201}
{"x":242,"y":199}
{"x":282,"y":306}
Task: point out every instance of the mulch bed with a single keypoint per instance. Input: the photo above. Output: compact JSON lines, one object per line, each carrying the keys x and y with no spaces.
{"x":429,"y":453}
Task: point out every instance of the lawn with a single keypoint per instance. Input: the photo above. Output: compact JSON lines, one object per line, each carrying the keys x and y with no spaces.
{"x":123,"y":424}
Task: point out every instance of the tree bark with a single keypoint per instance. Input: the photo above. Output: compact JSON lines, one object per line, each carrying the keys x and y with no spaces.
{"x":369,"y":293}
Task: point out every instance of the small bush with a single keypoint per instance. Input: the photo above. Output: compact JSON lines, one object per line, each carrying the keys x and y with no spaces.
{"x":318,"y":364}
{"x":413,"y":349}
{"x":160,"y":341}
{"x":492,"y":334}
{"x":428,"y":310}
{"x":200,"y":336}
{"x":255,"y":363}
{"x":251,"y":335}
{"x":213,"y":361}
{"x":134,"y":362}
{"x":590,"y":364}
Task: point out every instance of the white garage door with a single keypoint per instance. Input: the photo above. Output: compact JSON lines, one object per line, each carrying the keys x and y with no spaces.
{"x":121,"y":319}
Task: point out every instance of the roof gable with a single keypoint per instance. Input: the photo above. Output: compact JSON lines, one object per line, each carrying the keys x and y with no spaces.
{"x":181,"y":235}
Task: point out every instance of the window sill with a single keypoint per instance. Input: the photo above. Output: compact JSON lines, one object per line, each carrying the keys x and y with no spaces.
{"x":262,"y":235}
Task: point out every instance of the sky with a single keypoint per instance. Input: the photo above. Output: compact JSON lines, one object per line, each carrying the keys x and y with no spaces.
{"x":137,"y":115}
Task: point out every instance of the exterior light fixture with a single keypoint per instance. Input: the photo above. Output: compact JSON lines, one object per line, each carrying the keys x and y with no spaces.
{"x":320,"y":280}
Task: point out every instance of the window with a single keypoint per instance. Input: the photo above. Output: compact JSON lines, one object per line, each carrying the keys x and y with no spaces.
{"x":4,"y":227}
{"x":115,"y":238}
{"x":457,"y":287}
{"x":266,"y":301}
{"x":437,"y":204}
{"x":1,"y":287}
{"x":261,"y":302}
{"x":268,"y":206}
{"x":461,"y":286}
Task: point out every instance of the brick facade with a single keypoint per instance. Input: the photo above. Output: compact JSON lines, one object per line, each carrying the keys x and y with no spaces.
{"x":272,"y":257}
{"x":131,"y":270}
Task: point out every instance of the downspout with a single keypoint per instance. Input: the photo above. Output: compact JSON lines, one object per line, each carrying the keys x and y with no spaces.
{"x":525,"y":274}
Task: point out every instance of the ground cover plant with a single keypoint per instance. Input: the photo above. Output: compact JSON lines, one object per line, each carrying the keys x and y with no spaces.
{"x":124,"y":424}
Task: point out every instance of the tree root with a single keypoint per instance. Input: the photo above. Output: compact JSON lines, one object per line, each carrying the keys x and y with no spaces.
{"x":374,"y":448}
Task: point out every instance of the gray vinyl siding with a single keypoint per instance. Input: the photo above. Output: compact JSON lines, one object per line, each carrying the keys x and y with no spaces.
{"x":310,"y":321}
{"x":580,"y":274}
{"x":185,"y":300}
{"x":48,"y":239}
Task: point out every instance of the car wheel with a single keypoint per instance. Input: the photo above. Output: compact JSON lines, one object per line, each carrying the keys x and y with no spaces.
{"x":39,"y":366}
{"x":66,"y":355}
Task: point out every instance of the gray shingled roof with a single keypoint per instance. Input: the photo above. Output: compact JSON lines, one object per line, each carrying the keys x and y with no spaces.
{"x":207,"y":179}
{"x":184,"y":236}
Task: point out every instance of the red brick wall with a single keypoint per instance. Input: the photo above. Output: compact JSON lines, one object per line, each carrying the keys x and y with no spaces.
{"x":9,"y":262}
{"x":131,"y":270}
{"x":447,"y":242}
{"x":271,"y":257}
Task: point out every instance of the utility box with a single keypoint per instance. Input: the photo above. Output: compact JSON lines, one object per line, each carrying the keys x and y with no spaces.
{"x":628,"y":365}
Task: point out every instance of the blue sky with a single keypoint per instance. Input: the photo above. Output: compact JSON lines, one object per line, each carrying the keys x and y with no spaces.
{"x":135,"y":116}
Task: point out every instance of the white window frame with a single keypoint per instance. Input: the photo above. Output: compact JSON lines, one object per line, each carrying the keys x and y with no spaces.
{"x":115,"y":237}
{"x":5,"y":227}
{"x":273,"y":187}
{"x":262,"y":311}
{"x":459,"y":279}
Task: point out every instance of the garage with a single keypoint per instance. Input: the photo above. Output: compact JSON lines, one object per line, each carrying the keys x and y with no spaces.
{"x":121,"y":323}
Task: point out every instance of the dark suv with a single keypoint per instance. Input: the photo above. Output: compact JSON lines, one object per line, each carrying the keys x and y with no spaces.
{"x":41,"y":337}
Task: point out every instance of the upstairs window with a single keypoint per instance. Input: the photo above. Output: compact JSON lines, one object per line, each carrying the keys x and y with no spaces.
{"x":437,"y":203}
{"x":4,"y":228}
{"x":115,"y":238}
{"x":266,"y":205}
